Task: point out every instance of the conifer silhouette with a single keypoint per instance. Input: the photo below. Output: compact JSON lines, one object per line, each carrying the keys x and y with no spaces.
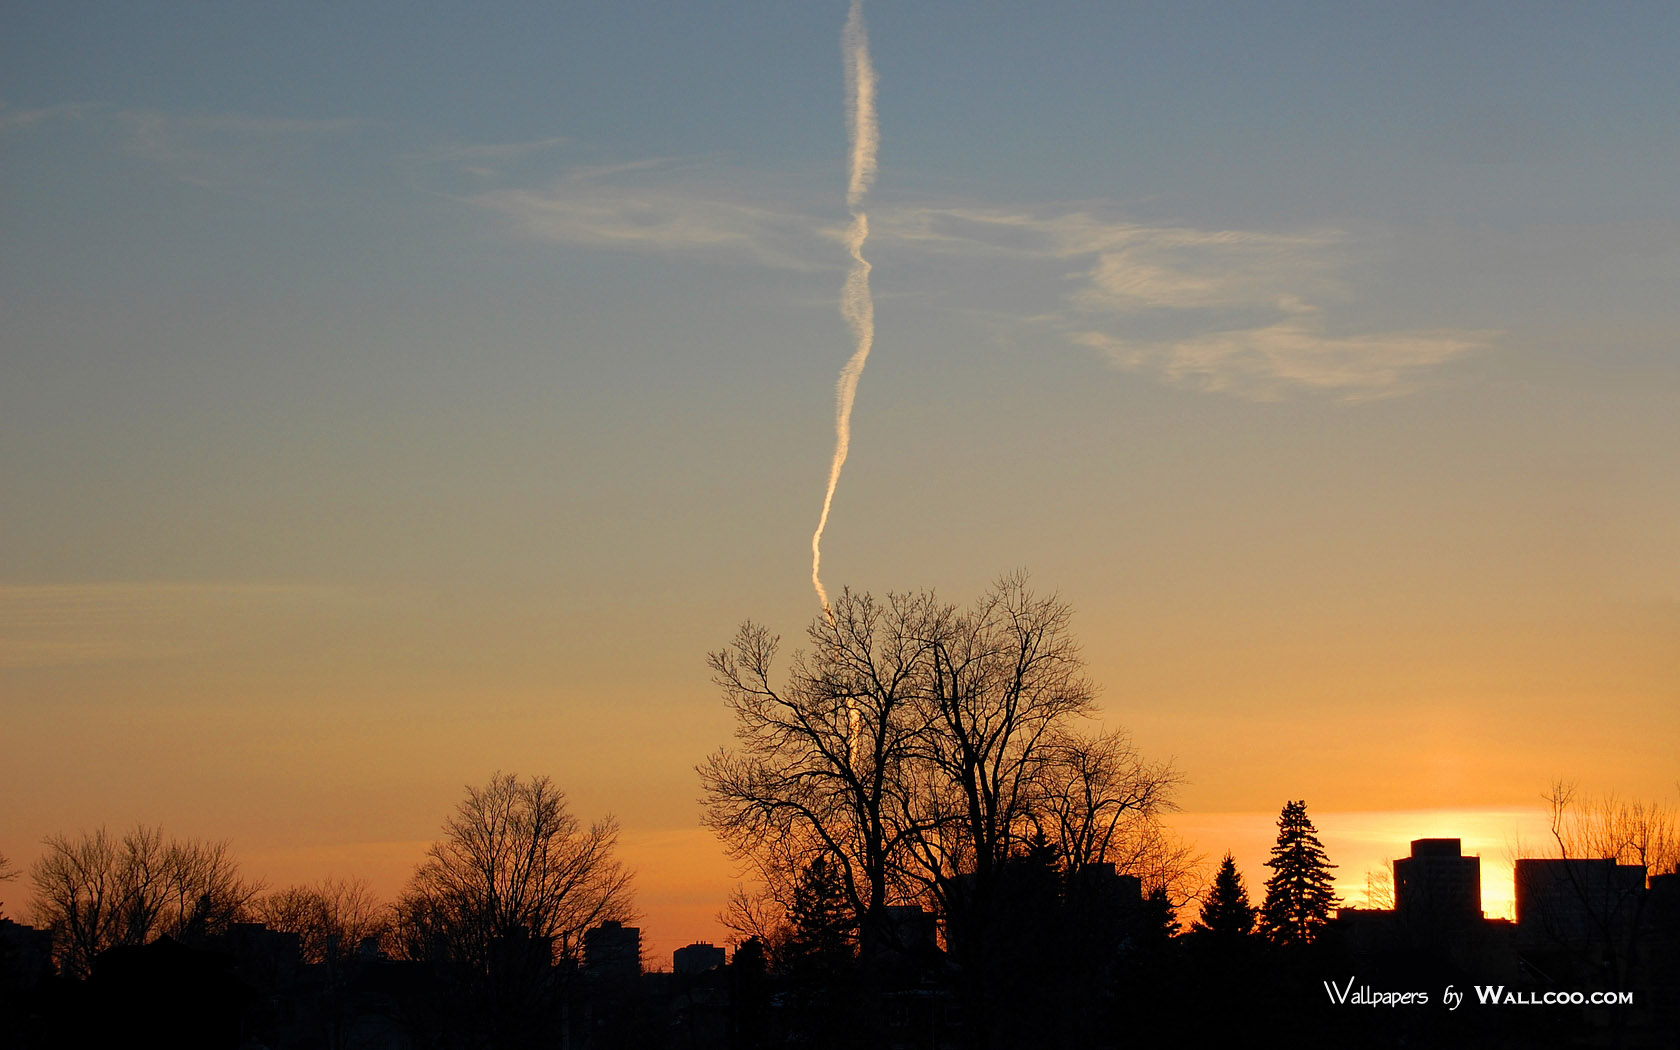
{"x":1226,"y":914}
{"x":1299,"y":895}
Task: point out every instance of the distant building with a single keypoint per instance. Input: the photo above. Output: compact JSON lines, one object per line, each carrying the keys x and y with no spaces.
{"x":271,"y":959}
{"x":1437,"y":915}
{"x":613,"y":949}
{"x":1664,"y":902}
{"x":520,"y":952}
{"x":25,"y":955}
{"x":1576,"y":901}
{"x":1366,"y":931}
{"x":1098,"y":885}
{"x":697,"y":958}
{"x":1437,"y":887}
{"x":914,"y":928}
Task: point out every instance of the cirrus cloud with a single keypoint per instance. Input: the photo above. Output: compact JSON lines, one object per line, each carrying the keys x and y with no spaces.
{"x":1234,"y":311}
{"x":1249,"y":313}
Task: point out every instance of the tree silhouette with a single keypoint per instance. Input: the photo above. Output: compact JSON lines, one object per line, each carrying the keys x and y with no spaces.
{"x":515,"y":862}
{"x":1591,"y":902}
{"x":921,"y":751}
{"x":1158,"y":921}
{"x":818,"y":962}
{"x":1226,"y":914}
{"x":1007,"y":679}
{"x":331,"y":918}
{"x":822,"y":935}
{"x":510,"y":890}
{"x":821,"y":765}
{"x":96,"y":892}
{"x":1299,"y":894}
{"x":916,"y":747}
{"x":7,"y":874}
{"x":1102,"y":803}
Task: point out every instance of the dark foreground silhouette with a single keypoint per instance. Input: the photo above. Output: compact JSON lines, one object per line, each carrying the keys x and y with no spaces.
{"x":1087,"y":960}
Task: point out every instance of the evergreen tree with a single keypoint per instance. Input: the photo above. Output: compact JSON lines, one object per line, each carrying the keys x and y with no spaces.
{"x":822,"y":1008}
{"x":1226,"y":914}
{"x":1160,"y":919}
{"x":1299,"y":895}
{"x":822,"y":926}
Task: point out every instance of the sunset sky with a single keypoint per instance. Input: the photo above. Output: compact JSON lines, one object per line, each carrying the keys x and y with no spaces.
{"x":390,"y":395}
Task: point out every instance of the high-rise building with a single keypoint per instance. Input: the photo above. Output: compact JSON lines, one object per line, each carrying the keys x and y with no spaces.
{"x":613,"y":949}
{"x":696,"y":958}
{"x":1437,"y":886}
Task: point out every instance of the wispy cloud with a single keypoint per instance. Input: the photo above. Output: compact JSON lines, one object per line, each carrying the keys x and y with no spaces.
{"x":485,"y":160}
{"x":1236,"y":311}
{"x":1251,"y":313}
{"x":1263,"y":363}
{"x":592,"y":207}
{"x":13,"y":119}
{"x":228,"y":151}
{"x":60,"y":624}
{"x":1246,"y":312}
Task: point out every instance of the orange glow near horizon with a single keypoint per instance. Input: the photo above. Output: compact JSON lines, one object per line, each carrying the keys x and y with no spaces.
{"x":683,"y":878}
{"x":1359,"y":842}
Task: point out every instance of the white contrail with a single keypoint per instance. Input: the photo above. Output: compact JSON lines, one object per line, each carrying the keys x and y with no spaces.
{"x":856,"y":306}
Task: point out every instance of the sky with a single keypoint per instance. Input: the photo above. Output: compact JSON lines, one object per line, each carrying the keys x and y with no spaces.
{"x":391,"y":396}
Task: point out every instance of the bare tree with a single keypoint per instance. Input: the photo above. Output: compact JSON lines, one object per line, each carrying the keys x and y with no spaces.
{"x":933,"y":755}
{"x":96,"y":892}
{"x":1379,"y":886}
{"x":1008,"y":683}
{"x":822,"y":766}
{"x":1160,"y":859}
{"x":917,"y":744}
{"x":331,"y":918}
{"x":7,"y":873}
{"x":514,"y":863}
{"x":753,"y":913}
{"x":509,"y":892}
{"x":1635,"y":832}
{"x":1592,"y":905}
{"x":1103,"y":803}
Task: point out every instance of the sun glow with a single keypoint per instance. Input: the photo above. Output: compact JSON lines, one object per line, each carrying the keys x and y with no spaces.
{"x":1366,"y":842}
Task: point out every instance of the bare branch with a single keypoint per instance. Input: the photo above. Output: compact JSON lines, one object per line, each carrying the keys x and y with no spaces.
{"x":95,"y":893}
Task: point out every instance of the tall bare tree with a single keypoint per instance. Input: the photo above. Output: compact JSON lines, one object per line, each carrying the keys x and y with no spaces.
{"x":515,"y":863}
{"x":917,"y":748}
{"x":96,"y":892}
{"x":1007,"y":679}
{"x":822,"y":768}
{"x":509,"y":891}
{"x":923,"y":753}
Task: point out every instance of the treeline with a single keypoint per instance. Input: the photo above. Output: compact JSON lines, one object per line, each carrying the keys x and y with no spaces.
{"x":486,"y":948}
{"x":515,"y":869}
{"x":513,"y":858}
